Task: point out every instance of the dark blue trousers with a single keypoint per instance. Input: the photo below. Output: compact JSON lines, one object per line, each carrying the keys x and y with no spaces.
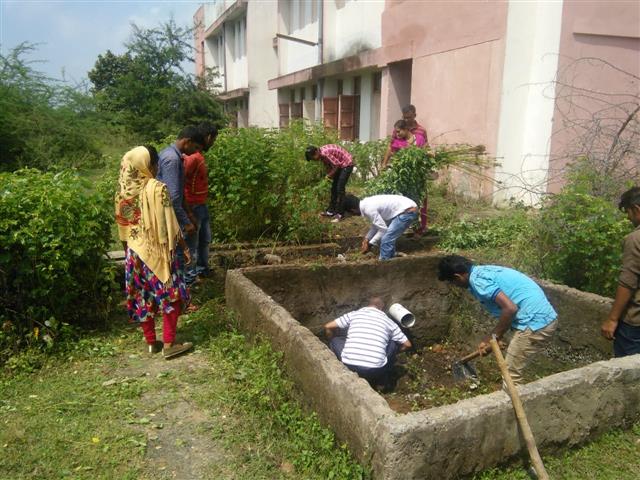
{"x":627,"y":340}
{"x":372,"y":374}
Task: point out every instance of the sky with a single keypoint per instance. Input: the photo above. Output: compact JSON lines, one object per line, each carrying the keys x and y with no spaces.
{"x":72,"y":34}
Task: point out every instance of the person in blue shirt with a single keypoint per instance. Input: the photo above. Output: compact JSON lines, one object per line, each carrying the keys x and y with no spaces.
{"x":514,"y":299}
{"x":171,"y":173}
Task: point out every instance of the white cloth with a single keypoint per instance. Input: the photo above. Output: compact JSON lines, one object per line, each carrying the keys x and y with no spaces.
{"x":369,"y":332}
{"x":380,"y":210}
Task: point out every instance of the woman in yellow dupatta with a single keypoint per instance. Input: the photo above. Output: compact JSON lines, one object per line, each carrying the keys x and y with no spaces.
{"x":149,"y":231}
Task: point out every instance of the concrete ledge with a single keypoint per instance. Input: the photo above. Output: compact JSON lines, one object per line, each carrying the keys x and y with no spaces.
{"x":563,"y":410}
{"x":341,"y":398}
{"x":446,"y":442}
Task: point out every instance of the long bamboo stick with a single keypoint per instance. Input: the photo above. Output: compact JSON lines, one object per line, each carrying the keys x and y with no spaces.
{"x":536,"y":460}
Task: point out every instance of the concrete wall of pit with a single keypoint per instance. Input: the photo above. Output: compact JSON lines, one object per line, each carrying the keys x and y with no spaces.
{"x":564,"y":409}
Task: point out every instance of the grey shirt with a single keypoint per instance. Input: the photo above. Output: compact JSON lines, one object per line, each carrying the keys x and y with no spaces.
{"x":630,"y":276}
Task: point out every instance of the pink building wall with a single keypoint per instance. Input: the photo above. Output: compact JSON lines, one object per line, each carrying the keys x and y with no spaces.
{"x":609,"y":31}
{"x":458,"y":56}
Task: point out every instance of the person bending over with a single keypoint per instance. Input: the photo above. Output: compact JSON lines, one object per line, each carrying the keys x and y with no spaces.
{"x":366,"y":341}
{"x":514,"y":299}
{"x":339,"y":165}
{"x":390,"y":216}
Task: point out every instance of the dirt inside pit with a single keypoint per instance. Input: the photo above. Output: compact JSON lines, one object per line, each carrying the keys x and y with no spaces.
{"x":449,"y":324}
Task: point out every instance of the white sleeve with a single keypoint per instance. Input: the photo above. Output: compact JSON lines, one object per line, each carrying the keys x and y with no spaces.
{"x":379,"y":227}
{"x":343,"y":321}
{"x":397,"y":334}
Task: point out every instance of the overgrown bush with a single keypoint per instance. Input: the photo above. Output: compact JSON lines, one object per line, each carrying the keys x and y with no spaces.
{"x":367,"y":157}
{"x":494,"y":232}
{"x":411,"y":168}
{"x":54,"y":234}
{"x":577,"y":240}
{"x":261,"y":185}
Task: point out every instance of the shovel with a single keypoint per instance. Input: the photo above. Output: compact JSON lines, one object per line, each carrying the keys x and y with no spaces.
{"x":463,"y":370}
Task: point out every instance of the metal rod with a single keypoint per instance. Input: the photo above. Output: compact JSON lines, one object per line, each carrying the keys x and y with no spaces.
{"x":296,"y":39}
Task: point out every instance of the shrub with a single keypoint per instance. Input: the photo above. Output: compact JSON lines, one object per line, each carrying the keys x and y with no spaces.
{"x":411,"y":168}
{"x":407,"y":175}
{"x":578,"y":240}
{"x":261,"y":185}
{"x":53,"y":237}
{"x":367,"y":157}
{"x":495,"y":232}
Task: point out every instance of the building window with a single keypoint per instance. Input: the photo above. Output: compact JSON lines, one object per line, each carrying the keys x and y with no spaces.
{"x":217,"y":46}
{"x":356,"y":85}
{"x":303,"y":93}
{"x":292,"y":95}
{"x":301,"y":13}
{"x":239,"y":32}
{"x":339,"y":87}
{"x":314,"y":92}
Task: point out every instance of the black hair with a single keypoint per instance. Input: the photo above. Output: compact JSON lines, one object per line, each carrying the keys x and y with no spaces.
{"x":207,"y":129}
{"x":630,"y":199}
{"x":351,"y":204}
{"x":192,"y":133}
{"x":310,"y":152}
{"x":452,"y":265}
{"x":402,"y":124}
{"x":409,"y":108}
{"x":153,"y":155}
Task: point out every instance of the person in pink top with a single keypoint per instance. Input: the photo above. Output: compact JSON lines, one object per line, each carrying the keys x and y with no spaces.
{"x":401,"y":138}
{"x":339,"y":165}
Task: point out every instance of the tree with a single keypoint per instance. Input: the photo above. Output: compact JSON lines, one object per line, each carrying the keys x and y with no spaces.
{"x":43,"y":122}
{"x":146,"y":88}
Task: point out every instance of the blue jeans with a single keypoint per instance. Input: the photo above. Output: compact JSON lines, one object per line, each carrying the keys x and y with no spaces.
{"x":198,"y":244}
{"x":397,"y":226}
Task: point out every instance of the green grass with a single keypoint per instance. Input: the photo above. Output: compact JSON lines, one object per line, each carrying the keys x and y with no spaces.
{"x":60,"y":421}
{"x":614,"y":456}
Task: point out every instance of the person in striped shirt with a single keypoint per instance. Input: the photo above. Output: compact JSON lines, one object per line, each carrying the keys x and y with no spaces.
{"x":371,"y":341}
{"x":339,"y":165}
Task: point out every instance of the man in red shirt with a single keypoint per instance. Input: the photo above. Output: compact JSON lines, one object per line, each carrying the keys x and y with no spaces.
{"x":196,"y":189}
{"x":339,"y":165}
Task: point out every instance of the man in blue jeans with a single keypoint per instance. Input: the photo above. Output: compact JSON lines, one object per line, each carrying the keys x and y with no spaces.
{"x":196,"y":189}
{"x":171,"y":173}
{"x":390,"y":216}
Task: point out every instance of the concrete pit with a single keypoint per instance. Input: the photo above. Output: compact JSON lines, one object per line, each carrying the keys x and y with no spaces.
{"x":289,"y":305}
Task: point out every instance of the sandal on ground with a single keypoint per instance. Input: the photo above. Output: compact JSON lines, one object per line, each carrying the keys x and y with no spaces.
{"x":176,"y":349}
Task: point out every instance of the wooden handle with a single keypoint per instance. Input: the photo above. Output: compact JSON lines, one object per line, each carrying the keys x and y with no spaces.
{"x":520,"y":415}
{"x":473,"y":355}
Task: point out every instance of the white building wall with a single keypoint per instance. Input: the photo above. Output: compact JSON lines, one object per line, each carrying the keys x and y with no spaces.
{"x":213,"y":10}
{"x":527,"y":103}
{"x":262,"y":19}
{"x":352,"y":27}
{"x":299,"y":18}
{"x":236,"y":51}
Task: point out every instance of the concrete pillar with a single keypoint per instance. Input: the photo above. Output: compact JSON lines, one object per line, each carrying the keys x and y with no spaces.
{"x":526,"y":107}
{"x":366,"y":107}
